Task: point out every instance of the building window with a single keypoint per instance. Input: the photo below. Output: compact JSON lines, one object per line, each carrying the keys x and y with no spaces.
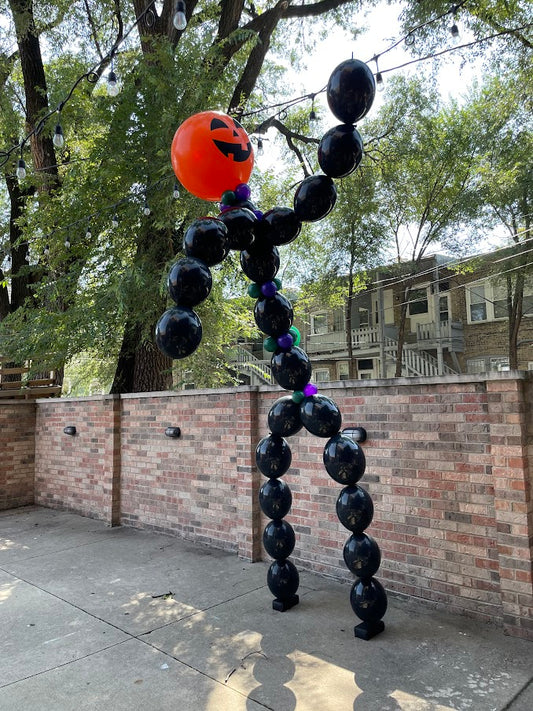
{"x":322,"y":375}
{"x":444,"y":313}
{"x":364,"y":317}
{"x":343,"y":370}
{"x":365,"y":368}
{"x":478,"y":303}
{"x":338,"y":320}
{"x":319,"y":324}
{"x":487,"y":364}
{"x":418,"y":302}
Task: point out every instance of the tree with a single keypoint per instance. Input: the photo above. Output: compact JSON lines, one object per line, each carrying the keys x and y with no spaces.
{"x":502,"y":119}
{"x":105,"y":290}
{"x":427,"y":177}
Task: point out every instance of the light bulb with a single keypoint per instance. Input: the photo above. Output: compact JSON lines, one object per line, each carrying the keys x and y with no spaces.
{"x":312,"y":115}
{"x":67,"y":243}
{"x":21,"y":169}
{"x":260,"y":149}
{"x":146,"y":209}
{"x":46,"y":250}
{"x":114,"y":221}
{"x":456,"y":35}
{"x":176,"y":192}
{"x":380,"y":84}
{"x":112,"y":84}
{"x":58,"y":139}
{"x":88,"y":233}
{"x":179,"y":20}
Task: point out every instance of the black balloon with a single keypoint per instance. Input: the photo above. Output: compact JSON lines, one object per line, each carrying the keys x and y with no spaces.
{"x":368,"y":600}
{"x":340,"y":151}
{"x":273,"y":456}
{"x":351,"y":90}
{"x":291,"y":369}
{"x":178,"y":332}
{"x":279,"y":539}
{"x":207,"y":239}
{"x":344,"y":460}
{"x":275,"y":498}
{"x":278,"y":226}
{"x":362,"y":555}
{"x":260,"y":265}
{"x":355,"y":509}
{"x":273,"y":315}
{"x":283,"y":579}
{"x":189,"y":281}
{"x":320,"y":416}
{"x":284,"y":417}
{"x":240,"y":223}
{"x":315,"y":198}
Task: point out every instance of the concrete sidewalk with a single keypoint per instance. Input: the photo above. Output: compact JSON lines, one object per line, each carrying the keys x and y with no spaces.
{"x":98,"y":618}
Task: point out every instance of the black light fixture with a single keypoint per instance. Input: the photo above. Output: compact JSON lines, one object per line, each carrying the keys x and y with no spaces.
{"x":358,"y":434}
{"x":173,"y":432}
{"x":70,"y":430}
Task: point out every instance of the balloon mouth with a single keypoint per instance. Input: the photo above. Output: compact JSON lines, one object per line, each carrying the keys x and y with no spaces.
{"x":239,"y":153}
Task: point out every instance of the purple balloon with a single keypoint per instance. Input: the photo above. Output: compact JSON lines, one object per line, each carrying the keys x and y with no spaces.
{"x":242,"y":191}
{"x":310,"y":389}
{"x":285,"y":341}
{"x":258,"y":214}
{"x":269,"y":288}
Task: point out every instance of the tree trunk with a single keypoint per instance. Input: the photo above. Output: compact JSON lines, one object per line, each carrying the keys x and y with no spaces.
{"x":401,"y":331}
{"x":141,"y":366}
{"x":18,"y":247}
{"x":515,"y":299}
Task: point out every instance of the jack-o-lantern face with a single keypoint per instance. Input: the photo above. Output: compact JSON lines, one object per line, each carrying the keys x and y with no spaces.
{"x":231,"y":140}
{"x":211,"y":153}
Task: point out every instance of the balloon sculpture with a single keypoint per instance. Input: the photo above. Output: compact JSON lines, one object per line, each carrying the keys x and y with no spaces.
{"x":213,"y":159}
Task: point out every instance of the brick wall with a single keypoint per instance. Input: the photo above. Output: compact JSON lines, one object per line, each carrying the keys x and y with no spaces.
{"x":17,"y":453}
{"x":80,"y":473}
{"x":448,"y":467}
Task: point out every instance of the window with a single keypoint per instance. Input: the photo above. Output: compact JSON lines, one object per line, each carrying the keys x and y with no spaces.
{"x":499,"y":296}
{"x":444,"y":313}
{"x":322,"y":376}
{"x":338,"y":320}
{"x":364,"y":317}
{"x":365,"y":368}
{"x":478,"y":303}
{"x":319,"y":324}
{"x":343,"y":370}
{"x":488,"y":364}
{"x":418,"y":302}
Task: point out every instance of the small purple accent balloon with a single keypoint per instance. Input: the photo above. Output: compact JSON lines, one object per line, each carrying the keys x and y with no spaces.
{"x":242,"y":191}
{"x":224,"y":208}
{"x":285,"y":341}
{"x":258,"y":214}
{"x":310,"y":389}
{"x":269,"y":288}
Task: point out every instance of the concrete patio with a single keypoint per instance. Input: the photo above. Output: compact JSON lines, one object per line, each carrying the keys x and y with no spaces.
{"x":93,"y":617}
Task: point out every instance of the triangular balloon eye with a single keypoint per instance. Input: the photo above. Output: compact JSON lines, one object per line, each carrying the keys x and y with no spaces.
{"x":218,"y":123}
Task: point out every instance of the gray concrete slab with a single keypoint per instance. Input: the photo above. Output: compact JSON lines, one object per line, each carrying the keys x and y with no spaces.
{"x":216,"y":643}
{"x":40,"y":632}
{"x":127,"y":677}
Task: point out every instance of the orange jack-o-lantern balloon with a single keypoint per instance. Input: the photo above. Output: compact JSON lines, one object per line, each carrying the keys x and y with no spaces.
{"x":211,"y":153}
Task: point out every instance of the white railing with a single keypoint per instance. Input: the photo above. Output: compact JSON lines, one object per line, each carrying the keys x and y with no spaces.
{"x":365,"y":337}
{"x":416,"y":363}
{"x":246,"y":362}
{"x":447,"y":330}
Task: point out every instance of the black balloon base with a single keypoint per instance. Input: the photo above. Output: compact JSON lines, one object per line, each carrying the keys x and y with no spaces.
{"x":367,"y":630}
{"x":283,"y":605}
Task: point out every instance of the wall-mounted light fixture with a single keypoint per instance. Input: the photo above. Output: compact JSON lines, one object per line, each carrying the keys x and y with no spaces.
{"x":358,"y":434}
{"x":174,"y":432}
{"x":70,"y":430}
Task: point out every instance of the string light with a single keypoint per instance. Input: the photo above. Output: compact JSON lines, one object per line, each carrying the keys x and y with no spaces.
{"x":114,"y":221}
{"x":180,"y":20}
{"x":454,"y":29}
{"x":176,"y":191}
{"x":146,"y":208}
{"x":67,"y":243}
{"x":112,"y":82}
{"x":88,"y":233}
{"x":312,"y":113}
{"x":46,"y":251}
{"x":260,"y":149}
{"x":58,"y":139}
{"x":21,"y":169}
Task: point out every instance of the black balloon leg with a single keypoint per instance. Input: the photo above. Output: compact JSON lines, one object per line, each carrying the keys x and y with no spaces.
{"x":283,"y":581}
{"x":369,"y":602}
